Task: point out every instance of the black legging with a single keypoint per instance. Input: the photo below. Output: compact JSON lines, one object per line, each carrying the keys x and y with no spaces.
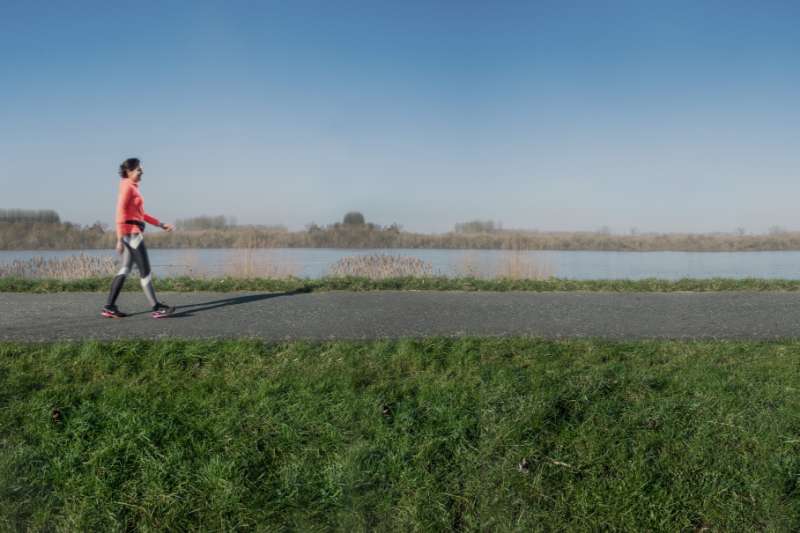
{"x":135,"y":252}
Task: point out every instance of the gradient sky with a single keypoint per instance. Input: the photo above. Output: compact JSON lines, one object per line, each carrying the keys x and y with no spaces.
{"x":554,"y":115}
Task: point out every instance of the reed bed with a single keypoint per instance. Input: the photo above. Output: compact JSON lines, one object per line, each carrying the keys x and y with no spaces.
{"x":78,"y":267}
{"x":66,"y":268}
{"x":250,"y":265}
{"x":516,"y":266}
{"x":381,"y":266}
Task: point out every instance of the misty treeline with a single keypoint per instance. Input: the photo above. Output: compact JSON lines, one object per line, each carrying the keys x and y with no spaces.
{"x":29,"y":216}
{"x":205,"y":223}
{"x":53,"y":236}
{"x":478,"y":226}
{"x":36,"y":230}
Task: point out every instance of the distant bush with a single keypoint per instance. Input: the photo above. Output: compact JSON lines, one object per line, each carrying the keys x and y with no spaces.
{"x":354,"y":218}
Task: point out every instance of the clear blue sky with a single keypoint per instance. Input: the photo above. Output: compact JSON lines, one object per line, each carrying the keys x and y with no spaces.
{"x":556,"y":115}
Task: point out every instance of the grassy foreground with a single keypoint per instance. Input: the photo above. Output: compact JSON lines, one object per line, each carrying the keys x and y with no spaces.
{"x":227,"y":284}
{"x":469,"y":434}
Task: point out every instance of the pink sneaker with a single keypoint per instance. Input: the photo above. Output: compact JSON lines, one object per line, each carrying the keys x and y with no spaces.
{"x":162,"y":311}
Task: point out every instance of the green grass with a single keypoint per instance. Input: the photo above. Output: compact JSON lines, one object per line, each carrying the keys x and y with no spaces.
{"x":421,"y":435}
{"x":411,"y":283}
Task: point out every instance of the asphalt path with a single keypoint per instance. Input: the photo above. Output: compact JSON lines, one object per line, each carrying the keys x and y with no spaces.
{"x":398,"y":314}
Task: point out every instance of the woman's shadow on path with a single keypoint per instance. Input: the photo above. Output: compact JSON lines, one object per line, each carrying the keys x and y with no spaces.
{"x":182,"y":311}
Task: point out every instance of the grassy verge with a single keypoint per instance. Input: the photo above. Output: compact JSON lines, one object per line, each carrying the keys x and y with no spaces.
{"x":469,"y":434}
{"x":411,"y":283}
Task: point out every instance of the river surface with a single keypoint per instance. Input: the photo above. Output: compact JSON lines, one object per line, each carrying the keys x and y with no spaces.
{"x":316,"y":262}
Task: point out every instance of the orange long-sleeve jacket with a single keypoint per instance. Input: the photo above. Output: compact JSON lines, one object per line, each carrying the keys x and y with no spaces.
{"x":130,"y":206}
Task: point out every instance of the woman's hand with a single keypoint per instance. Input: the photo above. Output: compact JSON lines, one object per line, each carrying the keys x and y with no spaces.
{"x":120,"y":247}
{"x":167,"y":227}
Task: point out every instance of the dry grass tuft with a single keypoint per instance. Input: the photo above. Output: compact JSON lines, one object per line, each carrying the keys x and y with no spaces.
{"x":247,"y":265}
{"x":381,"y":266}
{"x":514,"y":265}
{"x":518,"y":266}
{"x":67,"y":268}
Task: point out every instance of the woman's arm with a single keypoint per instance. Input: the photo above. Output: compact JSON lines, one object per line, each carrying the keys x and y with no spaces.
{"x":155,"y":222}
{"x":152,"y":220}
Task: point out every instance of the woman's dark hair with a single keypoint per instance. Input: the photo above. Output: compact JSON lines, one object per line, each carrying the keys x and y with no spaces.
{"x":128,"y":165}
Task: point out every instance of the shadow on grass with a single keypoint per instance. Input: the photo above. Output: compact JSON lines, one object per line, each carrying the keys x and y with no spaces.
{"x":182,"y":311}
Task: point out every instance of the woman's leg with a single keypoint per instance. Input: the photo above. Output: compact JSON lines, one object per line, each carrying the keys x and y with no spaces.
{"x":139,"y":254}
{"x":119,"y":279}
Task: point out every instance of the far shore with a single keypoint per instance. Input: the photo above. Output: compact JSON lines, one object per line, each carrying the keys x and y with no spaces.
{"x":67,"y":236}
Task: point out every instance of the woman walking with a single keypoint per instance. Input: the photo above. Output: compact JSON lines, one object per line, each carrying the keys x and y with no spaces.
{"x":131,"y":220}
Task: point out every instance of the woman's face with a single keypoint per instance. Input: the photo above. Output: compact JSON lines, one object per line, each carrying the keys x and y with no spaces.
{"x":136,"y":175}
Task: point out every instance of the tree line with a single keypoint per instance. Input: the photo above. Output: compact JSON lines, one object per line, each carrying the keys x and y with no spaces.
{"x":43,"y":230}
{"x":29,"y":216}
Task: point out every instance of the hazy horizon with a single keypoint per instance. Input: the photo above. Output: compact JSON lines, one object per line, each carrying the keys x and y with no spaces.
{"x":664,"y":117}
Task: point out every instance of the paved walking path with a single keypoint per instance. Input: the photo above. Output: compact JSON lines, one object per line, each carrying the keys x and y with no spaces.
{"x":393,"y":314}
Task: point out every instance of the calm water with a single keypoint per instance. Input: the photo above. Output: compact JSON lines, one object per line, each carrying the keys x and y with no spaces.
{"x":312,"y":263}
